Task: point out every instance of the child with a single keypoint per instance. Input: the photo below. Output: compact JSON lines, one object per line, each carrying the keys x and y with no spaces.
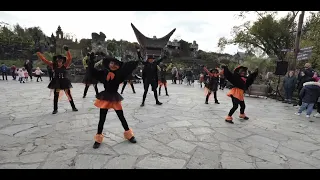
{"x":26,"y":74}
{"x":201,"y":79}
{"x":38,"y":73}
{"x":309,"y":95}
{"x":21,"y":75}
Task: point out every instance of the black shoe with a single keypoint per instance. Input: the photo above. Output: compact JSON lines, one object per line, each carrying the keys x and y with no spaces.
{"x":134,"y":92}
{"x":142,"y":104}
{"x":96,"y":145}
{"x":158,"y":103}
{"x":246,"y":118}
{"x":74,"y":109}
{"x":167,"y":94}
{"x":206,"y":102}
{"x":231,"y":122}
{"x":217,"y":102}
{"x":55,"y":112}
{"x":133,"y":140}
{"x":83,"y":96}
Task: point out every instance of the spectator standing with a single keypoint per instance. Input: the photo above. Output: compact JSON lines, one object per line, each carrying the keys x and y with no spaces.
{"x":4,"y":70}
{"x":13,"y":71}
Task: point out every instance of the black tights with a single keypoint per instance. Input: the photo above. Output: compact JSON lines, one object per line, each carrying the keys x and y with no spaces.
{"x":39,"y":76}
{"x":146,"y":85}
{"x":236,"y":102}
{"x":214,"y":95}
{"x":165,"y":88}
{"x":124,"y":86}
{"x":103,"y":115}
{"x":87,"y":87}
{"x":154,"y":94}
{"x":56,"y":97}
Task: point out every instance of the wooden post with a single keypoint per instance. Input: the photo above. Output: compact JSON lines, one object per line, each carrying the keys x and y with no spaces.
{"x":297,"y":42}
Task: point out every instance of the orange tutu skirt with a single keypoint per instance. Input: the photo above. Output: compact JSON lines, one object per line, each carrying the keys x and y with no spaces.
{"x":237,"y":93}
{"x":103,"y":104}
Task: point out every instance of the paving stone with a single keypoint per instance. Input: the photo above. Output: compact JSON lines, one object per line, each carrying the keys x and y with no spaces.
{"x":90,"y":161}
{"x":160,"y":162}
{"x":130,"y":149}
{"x":182,"y":146}
{"x":121,"y":162}
{"x":299,"y":156}
{"x":33,"y":158}
{"x":266,"y":155}
{"x":300,"y":146}
{"x":20,"y":166}
{"x":268,"y":165}
{"x":183,"y":130}
{"x":203,"y":159}
{"x":179,"y":124}
{"x":230,"y":147}
{"x":12,"y":130}
{"x":201,"y":130}
{"x":64,"y":159}
{"x":157,"y":147}
{"x":228,"y":162}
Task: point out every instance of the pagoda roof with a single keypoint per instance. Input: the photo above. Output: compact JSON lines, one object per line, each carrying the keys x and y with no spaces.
{"x":156,"y":43}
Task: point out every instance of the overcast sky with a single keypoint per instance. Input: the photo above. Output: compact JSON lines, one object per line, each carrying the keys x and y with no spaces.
{"x":205,"y":27}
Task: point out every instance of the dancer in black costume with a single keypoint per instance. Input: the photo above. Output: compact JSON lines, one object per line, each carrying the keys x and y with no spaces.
{"x":129,"y":80}
{"x":87,"y":79}
{"x":60,"y":81}
{"x":162,"y":81}
{"x":150,"y":77}
{"x":114,"y":73}
{"x":212,"y":85}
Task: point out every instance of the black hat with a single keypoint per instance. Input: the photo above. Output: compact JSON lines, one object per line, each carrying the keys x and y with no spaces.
{"x":237,"y":69}
{"x":109,"y":59}
{"x":57,"y":57}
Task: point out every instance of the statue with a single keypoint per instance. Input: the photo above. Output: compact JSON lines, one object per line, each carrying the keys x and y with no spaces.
{"x":99,"y":43}
{"x":152,"y":47}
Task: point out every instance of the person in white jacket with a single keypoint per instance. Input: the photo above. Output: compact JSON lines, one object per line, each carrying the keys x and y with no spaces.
{"x":38,"y":73}
{"x":21,"y":75}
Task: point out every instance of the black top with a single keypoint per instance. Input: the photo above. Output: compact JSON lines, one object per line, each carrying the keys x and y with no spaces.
{"x":112,"y":85}
{"x":236,"y":80}
{"x":150,"y":70}
{"x":60,"y":72}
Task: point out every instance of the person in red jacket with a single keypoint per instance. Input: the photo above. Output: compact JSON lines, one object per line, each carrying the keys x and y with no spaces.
{"x":13,"y":72}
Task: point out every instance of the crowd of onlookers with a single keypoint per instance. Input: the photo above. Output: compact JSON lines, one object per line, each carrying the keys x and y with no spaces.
{"x":21,"y":74}
{"x":307,"y":84}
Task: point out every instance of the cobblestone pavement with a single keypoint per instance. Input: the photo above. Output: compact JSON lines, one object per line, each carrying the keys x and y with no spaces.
{"x":182,"y":133}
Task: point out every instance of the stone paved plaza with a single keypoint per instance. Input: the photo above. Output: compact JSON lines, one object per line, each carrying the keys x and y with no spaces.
{"x":182,"y":133}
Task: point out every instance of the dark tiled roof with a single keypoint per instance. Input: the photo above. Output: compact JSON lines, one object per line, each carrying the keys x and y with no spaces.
{"x":147,"y":42}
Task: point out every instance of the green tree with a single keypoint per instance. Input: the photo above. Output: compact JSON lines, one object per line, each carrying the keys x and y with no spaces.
{"x":311,"y":37}
{"x":266,"y":33}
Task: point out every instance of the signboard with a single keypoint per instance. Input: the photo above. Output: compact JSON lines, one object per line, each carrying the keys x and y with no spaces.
{"x":304,"y":54}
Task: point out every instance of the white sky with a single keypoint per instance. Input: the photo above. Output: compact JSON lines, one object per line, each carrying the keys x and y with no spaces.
{"x":206,"y":27}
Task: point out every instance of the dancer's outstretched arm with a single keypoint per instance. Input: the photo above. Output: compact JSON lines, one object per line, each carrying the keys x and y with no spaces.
{"x":97,"y":74}
{"x":127,"y":69}
{"x":43,"y":59}
{"x":251,"y":78}
{"x":69,"y":57}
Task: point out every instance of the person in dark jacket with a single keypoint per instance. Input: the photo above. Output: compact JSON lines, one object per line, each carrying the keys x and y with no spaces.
{"x":13,"y":72}
{"x":308,"y":70}
{"x":309,"y":95}
{"x":301,"y":80}
{"x":4,"y":70}
{"x":289,"y":84}
{"x":50,"y":72}
{"x":150,"y":76}
{"x":28,"y":66}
